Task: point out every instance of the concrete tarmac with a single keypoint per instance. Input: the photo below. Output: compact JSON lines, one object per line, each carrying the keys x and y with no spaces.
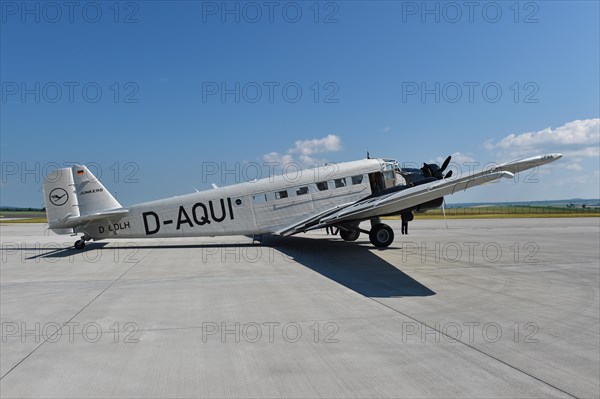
{"x":485,"y":308}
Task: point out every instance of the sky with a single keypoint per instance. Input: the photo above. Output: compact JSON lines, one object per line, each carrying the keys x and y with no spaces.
{"x":163,"y":98}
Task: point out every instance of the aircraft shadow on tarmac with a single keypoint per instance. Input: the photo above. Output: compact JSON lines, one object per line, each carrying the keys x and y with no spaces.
{"x":354,"y":265}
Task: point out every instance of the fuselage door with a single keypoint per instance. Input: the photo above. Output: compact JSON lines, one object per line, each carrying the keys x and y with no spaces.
{"x":377,"y":182}
{"x":380,"y":181}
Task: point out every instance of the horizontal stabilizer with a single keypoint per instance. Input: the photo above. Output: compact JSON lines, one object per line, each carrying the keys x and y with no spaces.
{"x":70,"y":221}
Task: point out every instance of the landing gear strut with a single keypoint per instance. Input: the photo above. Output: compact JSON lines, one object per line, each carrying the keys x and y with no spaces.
{"x":80,"y":244}
{"x":381,"y":235}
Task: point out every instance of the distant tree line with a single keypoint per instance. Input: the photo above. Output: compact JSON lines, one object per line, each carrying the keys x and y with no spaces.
{"x":10,"y":209}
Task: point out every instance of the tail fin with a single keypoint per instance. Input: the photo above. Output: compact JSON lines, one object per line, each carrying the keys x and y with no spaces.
{"x":72,"y":192}
{"x":92,"y":197}
{"x":60,"y":197}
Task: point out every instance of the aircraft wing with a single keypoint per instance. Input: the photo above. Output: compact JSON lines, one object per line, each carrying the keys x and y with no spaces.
{"x":313,"y":222}
{"x":397,"y":201}
{"x":69,"y":221}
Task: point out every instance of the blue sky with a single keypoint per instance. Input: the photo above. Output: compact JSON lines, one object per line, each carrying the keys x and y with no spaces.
{"x":136,"y":90}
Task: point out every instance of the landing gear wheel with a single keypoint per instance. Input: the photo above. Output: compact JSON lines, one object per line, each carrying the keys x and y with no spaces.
{"x":349,"y":235}
{"x":79,"y":244}
{"x":381,"y":235}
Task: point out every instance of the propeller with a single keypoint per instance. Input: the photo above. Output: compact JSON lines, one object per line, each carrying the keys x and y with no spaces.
{"x":433,"y":170}
{"x":446,"y":163}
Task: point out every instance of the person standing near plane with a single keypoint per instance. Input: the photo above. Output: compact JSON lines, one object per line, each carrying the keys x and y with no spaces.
{"x":404,"y":223}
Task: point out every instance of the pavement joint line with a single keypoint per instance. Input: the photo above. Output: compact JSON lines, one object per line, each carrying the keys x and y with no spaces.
{"x":510,"y":295}
{"x":569,"y":379}
{"x":75,"y":315}
{"x":471,"y":347}
{"x":476,"y":349}
{"x":41,"y":282}
{"x":430,"y":270}
{"x":249,"y":321}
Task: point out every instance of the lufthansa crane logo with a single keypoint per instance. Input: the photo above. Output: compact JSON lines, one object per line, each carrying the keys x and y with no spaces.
{"x":58,"y":196}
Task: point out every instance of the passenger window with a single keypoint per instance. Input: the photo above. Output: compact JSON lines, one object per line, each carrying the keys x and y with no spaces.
{"x":322,"y":186}
{"x":357,"y":179}
{"x":281,"y":194}
{"x":260,"y":198}
{"x":339,"y":183}
{"x":302,"y":191}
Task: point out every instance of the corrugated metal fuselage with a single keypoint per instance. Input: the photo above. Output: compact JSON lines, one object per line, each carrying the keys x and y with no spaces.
{"x":257,"y":207}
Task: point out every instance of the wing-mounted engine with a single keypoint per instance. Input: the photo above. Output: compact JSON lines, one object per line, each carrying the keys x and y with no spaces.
{"x":428,"y":173}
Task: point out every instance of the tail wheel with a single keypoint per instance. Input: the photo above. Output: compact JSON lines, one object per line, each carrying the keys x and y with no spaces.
{"x":349,"y":235}
{"x":80,"y":244}
{"x":381,"y":235}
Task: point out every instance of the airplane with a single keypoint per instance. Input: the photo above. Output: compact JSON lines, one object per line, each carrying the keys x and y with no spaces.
{"x":341,"y":195}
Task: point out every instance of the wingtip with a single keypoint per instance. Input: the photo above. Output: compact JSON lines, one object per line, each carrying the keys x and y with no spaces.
{"x":555,"y":156}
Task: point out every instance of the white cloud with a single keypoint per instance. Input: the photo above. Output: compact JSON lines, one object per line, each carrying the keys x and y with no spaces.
{"x":277,"y":158}
{"x":587,"y":152}
{"x":457,"y":157}
{"x":574,"y":176}
{"x":577,"y":138}
{"x":330,"y":143}
{"x":573,"y":166}
{"x":386,"y":129}
{"x":305,"y":149}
